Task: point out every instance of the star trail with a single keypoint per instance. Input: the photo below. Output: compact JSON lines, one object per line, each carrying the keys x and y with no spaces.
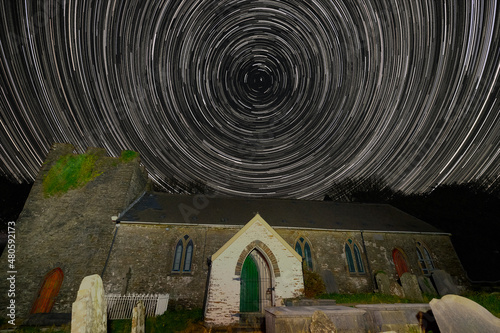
{"x":257,"y":98}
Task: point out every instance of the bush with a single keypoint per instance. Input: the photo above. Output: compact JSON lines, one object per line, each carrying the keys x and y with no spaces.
{"x":313,"y":283}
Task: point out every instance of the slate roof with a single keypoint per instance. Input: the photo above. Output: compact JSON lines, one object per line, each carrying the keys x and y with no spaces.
{"x":163,"y":208}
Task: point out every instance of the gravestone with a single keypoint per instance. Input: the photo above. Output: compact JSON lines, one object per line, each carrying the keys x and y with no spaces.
{"x":89,"y":310}
{"x":396,"y":289}
{"x":444,"y":283}
{"x":426,"y":286}
{"x":411,"y":288}
{"x":383,"y":283}
{"x":138,"y":318}
{"x":458,"y":314}
{"x":330,"y":282}
{"x":320,"y":323}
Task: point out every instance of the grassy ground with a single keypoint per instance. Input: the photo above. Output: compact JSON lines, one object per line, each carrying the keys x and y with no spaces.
{"x":170,"y":322}
{"x":490,"y":301}
{"x":370,"y":298}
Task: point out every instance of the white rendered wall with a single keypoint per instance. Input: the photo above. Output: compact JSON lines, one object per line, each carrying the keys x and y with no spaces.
{"x":223,"y":299}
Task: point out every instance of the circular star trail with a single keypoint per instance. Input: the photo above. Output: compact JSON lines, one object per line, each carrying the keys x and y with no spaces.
{"x":260,"y":97}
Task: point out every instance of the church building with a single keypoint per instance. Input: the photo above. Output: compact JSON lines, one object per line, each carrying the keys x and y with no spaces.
{"x":229,"y":256}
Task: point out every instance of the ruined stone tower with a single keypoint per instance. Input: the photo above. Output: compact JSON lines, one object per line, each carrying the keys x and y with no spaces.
{"x":62,"y":238}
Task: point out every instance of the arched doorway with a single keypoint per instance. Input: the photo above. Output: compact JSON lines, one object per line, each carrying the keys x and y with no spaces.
{"x":255,"y":284}
{"x":400,"y":262}
{"x":48,"y":291}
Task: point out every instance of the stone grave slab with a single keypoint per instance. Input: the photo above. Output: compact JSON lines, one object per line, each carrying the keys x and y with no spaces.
{"x":444,"y":283}
{"x":320,"y":323}
{"x":299,"y":318}
{"x":458,"y":314}
{"x":139,"y":318}
{"x":330,"y":282}
{"x":411,"y":288}
{"x":393,"y":317}
{"x":89,"y":314}
{"x":384,"y":286}
{"x":426,"y":286}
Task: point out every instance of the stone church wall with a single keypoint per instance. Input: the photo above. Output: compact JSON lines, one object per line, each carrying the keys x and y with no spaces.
{"x":329,"y":254}
{"x":141,"y":261}
{"x":72,"y":231}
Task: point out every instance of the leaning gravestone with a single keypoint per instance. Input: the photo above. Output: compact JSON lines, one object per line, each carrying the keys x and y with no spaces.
{"x":89,"y":310}
{"x":138,"y":318}
{"x":320,"y":323}
{"x":410,"y":287}
{"x":444,"y":283}
{"x":396,"y":289}
{"x":426,"y":286}
{"x":330,"y":282}
{"x":458,"y":314}
{"x":383,"y":283}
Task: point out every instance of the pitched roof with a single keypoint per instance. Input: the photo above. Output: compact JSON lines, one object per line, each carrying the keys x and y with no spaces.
{"x":163,"y":208}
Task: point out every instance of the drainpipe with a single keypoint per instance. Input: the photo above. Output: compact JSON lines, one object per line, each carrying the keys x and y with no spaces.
{"x":367,"y":262}
{"x":117,"y":224}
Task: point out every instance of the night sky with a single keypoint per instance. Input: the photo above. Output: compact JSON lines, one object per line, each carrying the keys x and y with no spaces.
{"x":257,"y":98}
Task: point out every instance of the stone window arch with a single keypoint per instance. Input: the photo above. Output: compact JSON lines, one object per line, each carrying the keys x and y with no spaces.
{"x":183,"y":255}
{"x":424,"y":259}
{"x":353,"y":257}
{"x":303,"y":247}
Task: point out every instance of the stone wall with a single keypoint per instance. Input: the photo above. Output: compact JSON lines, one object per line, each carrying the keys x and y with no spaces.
{"x":142,"y":257}
{"x":72,"y":231}
{"x":141,"y":260}
{"x":329,"y":254}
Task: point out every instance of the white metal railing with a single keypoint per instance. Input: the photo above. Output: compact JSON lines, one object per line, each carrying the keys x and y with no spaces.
{"x":121,"y":306}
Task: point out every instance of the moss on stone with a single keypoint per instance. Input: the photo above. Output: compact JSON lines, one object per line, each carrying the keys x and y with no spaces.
{"x":70,"y":172}
{"x":128,"y":155}
{"x":74,"y":171}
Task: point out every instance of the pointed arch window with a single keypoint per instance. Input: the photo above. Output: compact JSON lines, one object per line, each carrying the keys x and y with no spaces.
{"x":183,"y":256}
{"x":353,"y":258}
{"x":303,"y":248}
{"x":424,"y":259}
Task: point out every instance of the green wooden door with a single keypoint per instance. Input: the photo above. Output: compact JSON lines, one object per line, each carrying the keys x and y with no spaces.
{"x":249,"y":288}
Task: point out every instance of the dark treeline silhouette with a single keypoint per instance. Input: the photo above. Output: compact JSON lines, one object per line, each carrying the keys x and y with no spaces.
{"x":176,"y":186}
{"x":469,"y":211}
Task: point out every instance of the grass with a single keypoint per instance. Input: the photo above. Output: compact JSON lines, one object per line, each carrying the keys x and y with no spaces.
{"x":128,"y":155}
{"x":368,"y":298}
{"x":490,"y":302}
{"x":169,"y":322}
{"x":70,"y":172}
{"x":74,"y":171}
